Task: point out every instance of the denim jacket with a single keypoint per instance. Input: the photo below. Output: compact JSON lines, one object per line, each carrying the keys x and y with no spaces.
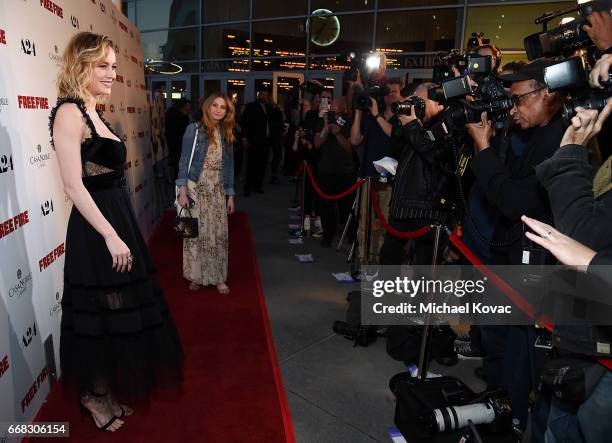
{"x":199,"y":156}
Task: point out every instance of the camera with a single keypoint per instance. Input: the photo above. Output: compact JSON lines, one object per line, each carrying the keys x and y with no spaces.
{"x":494,"y":410}
{"x":361,"y":97}
{"x":403,"y":107}
{"x":305,"y":133}
{"x":371,"y":68}
{"x":477,"y":40}
{"x":570,"y":78}
{"x":362,"y":335}
{"x":566,"y":38}
{"x":464,"y":62}
{"x":489,"y":96}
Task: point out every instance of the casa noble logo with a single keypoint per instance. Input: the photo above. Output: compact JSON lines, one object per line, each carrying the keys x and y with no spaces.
{"x":19,"y":287}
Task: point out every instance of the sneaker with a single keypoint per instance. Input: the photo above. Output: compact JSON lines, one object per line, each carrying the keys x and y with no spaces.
{"x":465,"y":351}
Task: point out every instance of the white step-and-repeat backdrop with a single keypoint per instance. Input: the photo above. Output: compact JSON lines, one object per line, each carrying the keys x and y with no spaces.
{"x":33,"y":207}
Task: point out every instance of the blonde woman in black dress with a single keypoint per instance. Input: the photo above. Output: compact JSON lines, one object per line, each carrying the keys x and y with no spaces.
{"x":118,"y":341}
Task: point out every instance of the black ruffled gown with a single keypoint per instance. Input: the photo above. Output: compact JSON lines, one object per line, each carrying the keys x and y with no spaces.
{"x":116,"y":330}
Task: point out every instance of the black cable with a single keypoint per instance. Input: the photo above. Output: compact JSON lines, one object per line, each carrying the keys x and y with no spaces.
{"x":468,"y":212}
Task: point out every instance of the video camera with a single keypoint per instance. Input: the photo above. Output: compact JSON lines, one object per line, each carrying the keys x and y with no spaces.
{"x":488,"y":96}
{"x":464,"y":62}
{"x":370,"y":67}
{"x":567,"y":38}
{"x":570,"y":78}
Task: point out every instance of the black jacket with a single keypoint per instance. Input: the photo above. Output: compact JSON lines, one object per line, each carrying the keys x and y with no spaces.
{"x":568,"y":178}
{"x":513,"y":188}
{"x":579,"y":214}
{"x":257,"y":122}
{"x":423,"y":177}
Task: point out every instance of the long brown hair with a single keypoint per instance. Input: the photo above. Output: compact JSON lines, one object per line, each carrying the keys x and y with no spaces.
{"x":226,"y":125}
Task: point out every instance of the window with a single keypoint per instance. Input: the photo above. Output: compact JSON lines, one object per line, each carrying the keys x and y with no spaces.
{"x":279,"y":64}
{"x":418,"y":31}
{"x":279,"y":8}
{"x":285,"y":38}
{"x":170,"y":45}
{"x":159,"y":14}
{"x":382,"y":4}
{"x":226,"y":41}
{"x":507,"y":26}
{"x":342,"y":5}
{"x":225,"y":10}
{"x":354,"y":34}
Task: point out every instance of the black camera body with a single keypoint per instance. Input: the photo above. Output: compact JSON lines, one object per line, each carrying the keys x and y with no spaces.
{"x":403,"y":107}
{"x":566,"y":38}
{"x":489,"y":96}
{"x":464,"y":62}
{"x":361,"y":97}
{"x":570,"y":78}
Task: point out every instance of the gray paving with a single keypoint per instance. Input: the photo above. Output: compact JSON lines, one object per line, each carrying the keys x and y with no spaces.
{"x":336,"y":393}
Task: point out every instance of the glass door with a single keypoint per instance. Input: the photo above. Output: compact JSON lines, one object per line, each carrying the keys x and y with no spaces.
{"x":172,"y":88}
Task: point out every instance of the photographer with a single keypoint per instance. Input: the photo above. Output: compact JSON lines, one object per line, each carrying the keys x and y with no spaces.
{"x":581,"y":205}
{"x":337,"y":166}
{"x":420,"y":183}
{"x":587,"y":417}
{"x":513,"y":189}
{"x":369,"y":131}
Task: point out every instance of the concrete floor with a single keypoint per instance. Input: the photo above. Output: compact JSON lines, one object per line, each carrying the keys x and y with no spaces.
{"x":336,"y":393}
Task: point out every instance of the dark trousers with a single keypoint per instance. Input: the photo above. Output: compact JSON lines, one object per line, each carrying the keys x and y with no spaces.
{"x":332,"y":184}
{"x":512,"y":363}
{"x":392,"y":251}
{"x":257,"y":160}
{"x":277,"y":156}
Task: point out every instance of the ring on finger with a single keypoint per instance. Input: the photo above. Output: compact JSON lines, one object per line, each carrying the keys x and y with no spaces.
{"x":547,"y":234}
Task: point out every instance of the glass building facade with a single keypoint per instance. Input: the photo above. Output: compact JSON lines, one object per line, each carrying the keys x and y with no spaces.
{"x":236,"y":44}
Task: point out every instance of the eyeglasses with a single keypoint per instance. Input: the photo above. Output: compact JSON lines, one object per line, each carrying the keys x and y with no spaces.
{"x":517,"y":98}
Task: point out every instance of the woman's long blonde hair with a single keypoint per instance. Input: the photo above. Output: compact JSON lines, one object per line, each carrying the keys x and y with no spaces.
{"x":226,"y":125}
{"x":83,"y":51}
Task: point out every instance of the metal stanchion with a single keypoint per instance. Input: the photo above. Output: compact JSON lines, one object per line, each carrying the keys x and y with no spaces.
{"x":368,"y":223}
{"x":424,"y":351}
{"x":303,"y":205}
{"x":348,"y":222}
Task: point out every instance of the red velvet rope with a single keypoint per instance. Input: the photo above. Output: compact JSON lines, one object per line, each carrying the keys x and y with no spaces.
{"x":514,"y":296}
{"x":390,"y":229}
{"x":324,"y":196}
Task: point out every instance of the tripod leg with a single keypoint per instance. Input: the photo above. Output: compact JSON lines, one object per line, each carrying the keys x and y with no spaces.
{"x":348,"y":222}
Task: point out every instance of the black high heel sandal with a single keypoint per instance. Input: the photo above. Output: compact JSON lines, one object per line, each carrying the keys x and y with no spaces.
{"x":103,"y":428}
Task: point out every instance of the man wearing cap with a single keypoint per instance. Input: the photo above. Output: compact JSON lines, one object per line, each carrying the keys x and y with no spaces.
{"x":508,"y":178}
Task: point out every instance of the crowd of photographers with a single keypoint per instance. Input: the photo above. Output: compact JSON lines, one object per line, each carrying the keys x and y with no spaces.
{"x":501,"y":150}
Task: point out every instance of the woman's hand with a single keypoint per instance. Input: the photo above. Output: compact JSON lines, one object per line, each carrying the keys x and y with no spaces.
{"x":568,"y":251}
{"x":586,"y":124}
{"x":182,"y":199}
{"x":122,"y":257}
{"x":231,"y":206}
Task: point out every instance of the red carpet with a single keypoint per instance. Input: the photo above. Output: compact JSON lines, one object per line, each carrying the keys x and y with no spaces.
{"x":232,"y":389}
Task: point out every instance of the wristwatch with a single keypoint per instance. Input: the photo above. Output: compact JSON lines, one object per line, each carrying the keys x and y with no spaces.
{"x":380,"y":115}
